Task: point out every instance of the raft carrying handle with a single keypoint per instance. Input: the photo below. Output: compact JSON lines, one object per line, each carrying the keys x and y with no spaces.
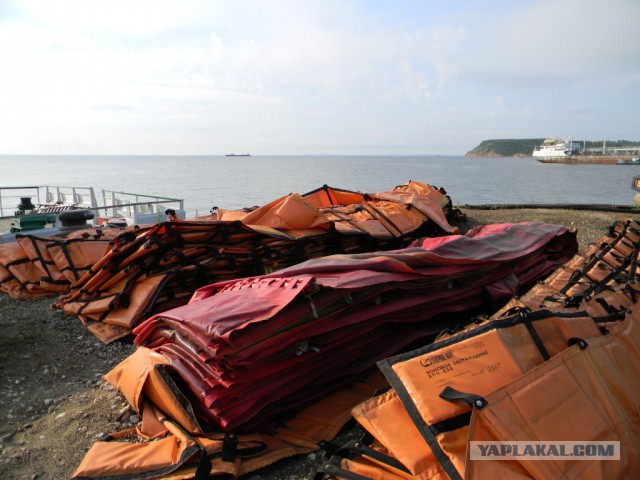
{"x":451,"y":395}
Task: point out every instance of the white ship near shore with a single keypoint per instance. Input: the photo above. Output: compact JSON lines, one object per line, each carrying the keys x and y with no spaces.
{"x":555,"y":150}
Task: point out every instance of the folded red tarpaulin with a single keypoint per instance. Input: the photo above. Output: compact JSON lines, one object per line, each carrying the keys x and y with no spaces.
{"x":245,"y":348}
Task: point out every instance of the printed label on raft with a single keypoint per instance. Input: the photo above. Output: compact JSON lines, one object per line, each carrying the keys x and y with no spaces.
{"x":436,"y":358}
{"x":466,"y":363}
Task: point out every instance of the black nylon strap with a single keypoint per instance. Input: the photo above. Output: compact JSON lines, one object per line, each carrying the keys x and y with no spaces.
{"x":423,"y":428}
{"x":72,"y":268}
{"x":594,"y":260}
{"x":349,"y":221}
{"x":599,"y":286}
{"x":615,"y":317}
{"x":633,"y":293}
{"x":376,"y":213}
{"x":632,"y":268}
{"x":451,"y":424}
{"x":16,"y":262}
{"x":551,"y":298}
{"x":536,"y":338}
{"x":575,"y":279}
{"x":379,"y":456}
{"x":325,"y":187}
{"x":39,"y":256}
{"x":605,"y":305}
{"x":229,"y":447}
{"x":471,"y":399}
{"x":203,"y":470}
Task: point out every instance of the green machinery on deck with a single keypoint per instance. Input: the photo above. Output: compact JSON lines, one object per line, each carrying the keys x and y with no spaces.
{"x":26,"y":219}
{"x":31,"y":221}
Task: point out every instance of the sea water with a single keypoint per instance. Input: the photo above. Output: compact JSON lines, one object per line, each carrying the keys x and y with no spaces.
{"x":235,"y":182}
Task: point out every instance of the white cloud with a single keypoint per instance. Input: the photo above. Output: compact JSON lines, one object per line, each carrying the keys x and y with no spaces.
{"x":305,"y":73}
{"x":558,"y":41}
{"x":135,"y":18}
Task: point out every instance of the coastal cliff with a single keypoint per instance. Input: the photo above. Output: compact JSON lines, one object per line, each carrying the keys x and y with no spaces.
{"x":505,"y":147}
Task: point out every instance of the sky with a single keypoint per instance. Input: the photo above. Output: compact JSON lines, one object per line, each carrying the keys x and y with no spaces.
{"x":294,"y":77}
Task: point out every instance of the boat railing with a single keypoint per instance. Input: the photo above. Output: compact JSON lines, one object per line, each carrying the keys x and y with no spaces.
{"x":633,"y":150}
{"x":138,"y":208}
{"x":46,"y":198}
{"x":134,"y":207}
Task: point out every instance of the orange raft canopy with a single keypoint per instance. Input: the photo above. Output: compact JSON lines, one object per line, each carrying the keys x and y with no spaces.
{"x":158,"y":268}
{"x":526,"y":374}
{"x":266,"y":354}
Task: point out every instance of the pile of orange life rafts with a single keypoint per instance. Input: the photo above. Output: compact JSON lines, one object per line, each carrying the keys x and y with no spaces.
{"x":159,"y":268}
{"x":34,"y":266}
{"x":560,"y":363}
{"x":112,"y":286}
{"x":258,"y":369}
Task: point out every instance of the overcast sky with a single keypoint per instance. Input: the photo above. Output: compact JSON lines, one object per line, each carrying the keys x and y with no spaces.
{"x":313,"y":77}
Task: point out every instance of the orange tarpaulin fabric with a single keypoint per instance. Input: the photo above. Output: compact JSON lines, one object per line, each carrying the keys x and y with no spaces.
{"x":568,"y":374}
{"x":177,"y":447}
{"x":19,"y":277}
{"x":480,"y":362}
{"x":584,"y":393}
{"x":600,"y":281}
{"x":183,"y":256}
{"x":41,"y":266}
{"x":287,"y":213}
{"x":284,"y":352}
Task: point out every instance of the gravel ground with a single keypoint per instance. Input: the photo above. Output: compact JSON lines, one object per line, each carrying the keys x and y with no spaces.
{"x":54,"y":403}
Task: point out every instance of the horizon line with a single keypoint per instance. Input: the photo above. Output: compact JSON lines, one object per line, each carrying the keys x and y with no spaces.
{"x":231,"y":156}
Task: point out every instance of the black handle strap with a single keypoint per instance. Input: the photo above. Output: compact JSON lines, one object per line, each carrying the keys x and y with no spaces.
{"x":452,"y":395}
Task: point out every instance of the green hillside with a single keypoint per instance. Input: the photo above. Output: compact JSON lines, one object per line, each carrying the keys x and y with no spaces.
{"x":508,"y":147}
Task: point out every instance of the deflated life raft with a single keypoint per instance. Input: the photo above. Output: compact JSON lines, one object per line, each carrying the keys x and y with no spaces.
{"x":34,"y":266}
{"x":159,"y":268}
{"x":525,"y":374}
{"x":601,"y":281}
{"x":244,"y":356}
